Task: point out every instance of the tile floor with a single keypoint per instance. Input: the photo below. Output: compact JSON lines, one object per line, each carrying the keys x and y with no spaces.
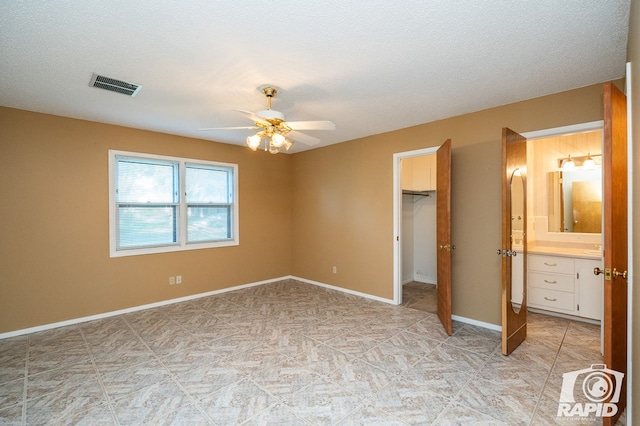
{"x":288,"y":353}
{"x":420,"y":296}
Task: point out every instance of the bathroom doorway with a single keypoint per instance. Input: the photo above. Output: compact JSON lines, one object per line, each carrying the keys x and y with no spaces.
{"x":564,"y":189}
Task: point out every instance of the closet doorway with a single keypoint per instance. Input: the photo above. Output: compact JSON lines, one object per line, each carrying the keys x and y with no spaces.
{"x":422,"y":229}
{"x":418,"y":236}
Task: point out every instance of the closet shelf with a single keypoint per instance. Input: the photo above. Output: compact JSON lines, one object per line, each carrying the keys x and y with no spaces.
{"x":427,"y":193}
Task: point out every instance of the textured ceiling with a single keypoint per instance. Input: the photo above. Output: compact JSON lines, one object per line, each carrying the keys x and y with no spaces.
{"x":370,"y":67}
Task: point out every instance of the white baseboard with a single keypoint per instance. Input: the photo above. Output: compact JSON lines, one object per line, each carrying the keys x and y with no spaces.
{"x":419,"y":278}
{"x":477,"y":323}
{"x":133,"y":309}
{"x":344,"y":290}
{"x":214,"y":292}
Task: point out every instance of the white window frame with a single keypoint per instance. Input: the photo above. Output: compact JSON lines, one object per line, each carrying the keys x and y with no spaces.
{"x":182,"y":243}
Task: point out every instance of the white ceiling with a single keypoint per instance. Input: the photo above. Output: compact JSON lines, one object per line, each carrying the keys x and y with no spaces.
{"x":369,"y":66}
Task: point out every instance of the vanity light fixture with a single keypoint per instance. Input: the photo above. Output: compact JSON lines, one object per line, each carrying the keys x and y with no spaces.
{"x":589,"y":164}
{"x":585,"y":162}
{"x":568,"y":164}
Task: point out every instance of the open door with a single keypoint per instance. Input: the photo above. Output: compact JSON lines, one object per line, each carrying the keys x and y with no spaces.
{"x":615,"y":241}
{"x":443,"y":234}
{"x":514,"y":240}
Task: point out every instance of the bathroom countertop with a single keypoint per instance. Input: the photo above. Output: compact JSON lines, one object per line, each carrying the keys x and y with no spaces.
{"x":566,"y":252}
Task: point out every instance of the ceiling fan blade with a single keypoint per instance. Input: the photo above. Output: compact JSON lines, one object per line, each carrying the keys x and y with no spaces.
{"x":311,"y":125}
{"x":252,"y":115}
{"x":229,"y":128}
{"x":301,"y":137}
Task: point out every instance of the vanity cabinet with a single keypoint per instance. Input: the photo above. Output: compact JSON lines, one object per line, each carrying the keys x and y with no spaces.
{"x":590,"y":297}
{"x":565,"y":285}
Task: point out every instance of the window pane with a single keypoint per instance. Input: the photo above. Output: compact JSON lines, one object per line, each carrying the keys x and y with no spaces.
{"x":140,"y":181}
{"x":208,"y":223}
{"x":146,"y":226}
{"x":207,"y":184}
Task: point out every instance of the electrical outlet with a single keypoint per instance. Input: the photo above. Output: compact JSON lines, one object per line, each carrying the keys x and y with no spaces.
{"x":178,"y":279}
{"x":335,"y":269}
{"x":172,"y":280}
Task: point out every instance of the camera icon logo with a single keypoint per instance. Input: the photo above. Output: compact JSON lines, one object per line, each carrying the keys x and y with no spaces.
{"x":598,"y":384}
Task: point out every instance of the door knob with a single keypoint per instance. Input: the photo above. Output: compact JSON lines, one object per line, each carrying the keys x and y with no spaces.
{"x":507,"y":253}
{"x":619,"y":274}
{"x":608,"y":273}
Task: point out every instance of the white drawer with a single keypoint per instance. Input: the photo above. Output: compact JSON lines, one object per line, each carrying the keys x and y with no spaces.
{"x":551,"y":299}
{"x":560,"y":282}
{"x":557,"y":265}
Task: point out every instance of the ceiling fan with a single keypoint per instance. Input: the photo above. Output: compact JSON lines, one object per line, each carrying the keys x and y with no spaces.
{"x":275,"y":132}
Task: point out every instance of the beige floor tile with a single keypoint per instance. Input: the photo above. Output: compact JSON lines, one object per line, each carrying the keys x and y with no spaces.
{"x":62,"y":380}
{"x":11,"y":415}
{"x":321,"y":359}
{"x":151,"y":404}
{"x":352,"y":343}
{"x":323,"y":403}
{"x":461,"y":415}
{"x":371,"y":416}
{"x":67,"y":402}
{"x":284,"y":379}
{"x":361,"y":378}
{"x":122,"y":382}
{"x":235,"y":403}
{"x":11,"y":393}
{"x":277,"y":415}
{"x":210,"y":378}
{"x":498,"y":400}
{"x":289,"y":353}
{"x":390,"y":358}
{"x":411,"y":402}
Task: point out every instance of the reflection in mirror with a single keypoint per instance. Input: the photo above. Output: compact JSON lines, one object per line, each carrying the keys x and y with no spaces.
{"x":575,"y":201}
{"x":517,"y":189}
{"x":548,"y":154}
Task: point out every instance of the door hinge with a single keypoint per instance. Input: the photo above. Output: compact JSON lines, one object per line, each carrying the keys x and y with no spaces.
{"x":578,"y":275}
{"x":578,"y":307}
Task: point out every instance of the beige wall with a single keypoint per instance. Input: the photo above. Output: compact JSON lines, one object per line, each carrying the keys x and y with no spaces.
{"x":300,"y":214}
{"x":54,"y":250}
{"x":633,"y":56}
{"x":343,"y":200}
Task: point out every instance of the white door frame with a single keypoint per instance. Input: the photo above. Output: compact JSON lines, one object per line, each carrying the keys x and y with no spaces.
{"x":630,"y":253}
{"x":397,"y":215}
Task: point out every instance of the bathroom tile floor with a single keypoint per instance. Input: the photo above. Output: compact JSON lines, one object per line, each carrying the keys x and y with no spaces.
{"x":288,"y":353}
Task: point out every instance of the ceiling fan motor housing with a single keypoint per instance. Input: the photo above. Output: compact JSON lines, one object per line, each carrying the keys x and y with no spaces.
{"x":269,"y":114}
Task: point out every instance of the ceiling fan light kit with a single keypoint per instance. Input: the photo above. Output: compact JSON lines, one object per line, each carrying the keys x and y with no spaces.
{"x":276,"y":134}
{"x":274,"y":128}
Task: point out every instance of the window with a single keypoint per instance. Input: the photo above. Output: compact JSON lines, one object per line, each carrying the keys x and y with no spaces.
{"x":160,"y":204}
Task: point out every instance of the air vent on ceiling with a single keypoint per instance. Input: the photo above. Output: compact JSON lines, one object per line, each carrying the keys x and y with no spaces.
{"x":114,"y":85}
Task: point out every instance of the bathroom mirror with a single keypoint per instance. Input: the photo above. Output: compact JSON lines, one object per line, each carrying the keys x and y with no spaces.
{"x":518,"y":206}
{"x":575,"y":201}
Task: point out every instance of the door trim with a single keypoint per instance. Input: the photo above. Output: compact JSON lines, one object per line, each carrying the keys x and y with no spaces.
{"x":563,"y":130}
{"x":397,"y":216}
{"x":630,"y":231}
